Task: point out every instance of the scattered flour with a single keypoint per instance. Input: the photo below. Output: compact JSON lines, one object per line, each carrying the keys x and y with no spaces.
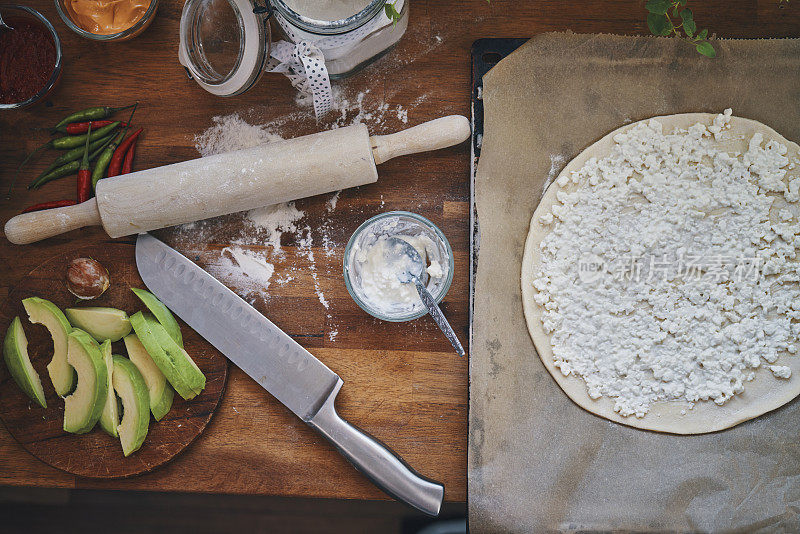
{"x":252,"y":264}
{"x":305,"y":245}
{"x":331,"y":204}
{"x":254,"y":260}
{"x":556,"y":164}
{"x":230,"y":133}
{"x":272,"y":221}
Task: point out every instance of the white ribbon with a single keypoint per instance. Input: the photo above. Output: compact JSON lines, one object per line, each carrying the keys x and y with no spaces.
{"x":304,"y":62}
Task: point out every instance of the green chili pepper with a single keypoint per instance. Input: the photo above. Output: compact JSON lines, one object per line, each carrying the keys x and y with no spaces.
{"x":104,"y":159}
{"x":65,"y":170}
{"x":66,"y":143}
{"x":74,"y":141}
{"x":89,"y":114}
{"x":76,"y":153}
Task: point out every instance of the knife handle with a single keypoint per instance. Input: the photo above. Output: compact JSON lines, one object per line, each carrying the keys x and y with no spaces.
{"x":376,"y":461}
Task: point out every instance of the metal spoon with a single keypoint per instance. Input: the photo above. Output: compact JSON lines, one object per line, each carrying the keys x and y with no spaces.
{"x":3,"y":25}
{"x":414,"y":274}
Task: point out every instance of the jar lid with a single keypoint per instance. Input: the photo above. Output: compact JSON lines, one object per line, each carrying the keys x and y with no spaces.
{"x":224,"y":44}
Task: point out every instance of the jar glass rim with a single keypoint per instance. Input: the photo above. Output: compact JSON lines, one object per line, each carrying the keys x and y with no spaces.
{"x":328,"y":27}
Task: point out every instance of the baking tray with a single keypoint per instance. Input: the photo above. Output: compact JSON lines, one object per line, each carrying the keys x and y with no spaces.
{"x":485,"y":54}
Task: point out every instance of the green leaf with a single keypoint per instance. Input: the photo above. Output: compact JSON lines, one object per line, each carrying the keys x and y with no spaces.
{"x":682,"y":2}
{"x":706,"y":49}
{"x":689,"y":25}
{"x":391,"y":13}
{"x":659,"y":7}
{"x":702,"y":35}
{"x":659,"y":24}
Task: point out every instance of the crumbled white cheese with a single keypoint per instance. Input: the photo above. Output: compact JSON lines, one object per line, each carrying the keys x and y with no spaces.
{"x":781,"y":371}
{"x":696,"y":286}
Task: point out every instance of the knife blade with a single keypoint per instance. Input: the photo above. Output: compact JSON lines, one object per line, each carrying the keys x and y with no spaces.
{"x":278,"y":363}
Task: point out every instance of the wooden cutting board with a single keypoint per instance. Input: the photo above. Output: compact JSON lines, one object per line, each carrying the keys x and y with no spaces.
{"x":96,"y":454}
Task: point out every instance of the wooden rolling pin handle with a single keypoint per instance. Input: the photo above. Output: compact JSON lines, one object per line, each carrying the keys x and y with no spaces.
{"x":431,"y":135}
{"x":38,"y":225}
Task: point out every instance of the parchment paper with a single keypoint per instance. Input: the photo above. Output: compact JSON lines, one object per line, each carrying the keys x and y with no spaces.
{"x":538,"y":462}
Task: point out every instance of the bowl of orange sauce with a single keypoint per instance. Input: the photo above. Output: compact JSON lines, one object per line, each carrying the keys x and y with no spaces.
{"x":107,"y":20}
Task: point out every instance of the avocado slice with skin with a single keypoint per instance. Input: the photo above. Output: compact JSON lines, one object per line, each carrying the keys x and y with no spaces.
{"x":109,"y":420}
{"x":161,"y":313}
{"x":85,"y":406}
{"x":131,"y":388}
{"x":100,"y":323}
{"x":15,"y":354}
{"x":161,"y":393}
{"x":44,"y":312}
{"x":192,"y":375}
{"x":141,"y":326}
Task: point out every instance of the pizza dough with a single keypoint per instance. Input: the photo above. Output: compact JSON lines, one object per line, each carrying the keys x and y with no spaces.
{"x":765,"y":392}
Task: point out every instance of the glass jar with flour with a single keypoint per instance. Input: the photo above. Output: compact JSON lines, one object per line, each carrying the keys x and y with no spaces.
{"x":225,"y":45}
{"x":349,"y":33}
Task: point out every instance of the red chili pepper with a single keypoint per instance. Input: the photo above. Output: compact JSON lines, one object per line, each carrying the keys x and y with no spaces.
{"x":84,"y":174}
{"x":83,"y":127}
{"x":127,"y":165}
{"x":49,"y":205}
{"x":116,"y":160}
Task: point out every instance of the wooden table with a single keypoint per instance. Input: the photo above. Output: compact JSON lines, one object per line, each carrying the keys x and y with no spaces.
{"x":403,"y":382}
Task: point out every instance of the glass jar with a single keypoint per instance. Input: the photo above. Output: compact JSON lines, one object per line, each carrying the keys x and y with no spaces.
{"x":225,"y":45}
{"x":138,"y":27}
{"x":398,"y":224}
{"x":348,"y":44}
{"x":12,"y":13}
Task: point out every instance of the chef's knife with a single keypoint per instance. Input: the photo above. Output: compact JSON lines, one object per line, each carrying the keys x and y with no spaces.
{"x":279,"y":364}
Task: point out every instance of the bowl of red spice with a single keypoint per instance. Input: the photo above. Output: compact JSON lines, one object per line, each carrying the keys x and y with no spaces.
{"x":30,"y":57}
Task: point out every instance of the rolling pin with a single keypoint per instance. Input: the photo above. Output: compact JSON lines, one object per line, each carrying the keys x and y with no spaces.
{"x":237,"y":181}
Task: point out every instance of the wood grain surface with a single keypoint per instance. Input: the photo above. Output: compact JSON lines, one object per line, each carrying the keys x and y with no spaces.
{"x":402,"y":382}
{"x":96,"y":454}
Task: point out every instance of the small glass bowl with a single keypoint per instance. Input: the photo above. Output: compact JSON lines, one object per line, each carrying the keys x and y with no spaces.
{"x":427,"y":228}
{"x":124,"y":35}
{"x":51,"y":82}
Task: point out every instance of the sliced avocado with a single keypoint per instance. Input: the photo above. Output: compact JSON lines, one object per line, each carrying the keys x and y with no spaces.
{"x":131,"y":388}
{"x":100,"y":323}
{"x":44,"y":312}
{"x":109,"y":420}
{"x":192,"y":375}
{"x":15,"y":353}
{"x":141,"y":326}
{"x":84,"y":407}
{"x":161,"y":393}
{"x":162,"y":314}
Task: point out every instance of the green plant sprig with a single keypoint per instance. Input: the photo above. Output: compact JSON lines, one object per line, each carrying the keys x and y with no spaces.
{"x":672,"y":17}
{"x":391,"y":12}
